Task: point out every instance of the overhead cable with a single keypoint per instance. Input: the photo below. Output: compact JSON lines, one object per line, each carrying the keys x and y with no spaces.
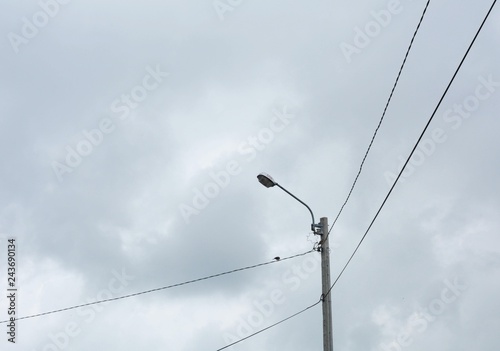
{"x":160,"y":288}
{"x":271,"y":326}
{"x":416,"y":144}
{"x":381,"y":119}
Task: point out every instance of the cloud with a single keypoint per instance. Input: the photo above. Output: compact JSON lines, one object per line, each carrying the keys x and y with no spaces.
{"x":119,"y":208}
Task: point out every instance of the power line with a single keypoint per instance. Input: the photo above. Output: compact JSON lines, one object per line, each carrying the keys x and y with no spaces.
{"x":350,"y":192}
{"x":416,"y":144}
{"x":352,"y":188}
{"x":392,"y":187}
{"x":271,"y":326}
{"x":381,"y":119}
{"x":161,"y":288}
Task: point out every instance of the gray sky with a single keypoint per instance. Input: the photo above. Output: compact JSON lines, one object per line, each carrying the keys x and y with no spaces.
{"x":132,"y":134}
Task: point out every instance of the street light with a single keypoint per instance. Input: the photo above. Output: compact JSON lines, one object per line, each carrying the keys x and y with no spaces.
{"x":322,"y":230}
{"x":268,"y":181}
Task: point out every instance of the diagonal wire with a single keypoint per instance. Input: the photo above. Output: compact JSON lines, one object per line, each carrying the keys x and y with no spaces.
{"x":416,"y":144}
{"x":161,"y":288}
{"x":381,"y":119}
{"x":271,"y":326}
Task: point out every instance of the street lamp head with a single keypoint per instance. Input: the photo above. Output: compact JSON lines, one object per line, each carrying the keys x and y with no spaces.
{"x":266,"y":180}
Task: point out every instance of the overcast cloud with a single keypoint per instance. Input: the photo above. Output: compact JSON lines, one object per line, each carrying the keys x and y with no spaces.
{"x":132,"y":134}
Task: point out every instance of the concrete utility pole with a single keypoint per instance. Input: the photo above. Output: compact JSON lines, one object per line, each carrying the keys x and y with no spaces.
{"x":322,"y":230}
{"x":325,"y":282}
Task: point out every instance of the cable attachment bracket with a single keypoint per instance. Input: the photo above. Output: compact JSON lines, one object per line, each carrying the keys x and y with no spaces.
{"x":317,"y":229}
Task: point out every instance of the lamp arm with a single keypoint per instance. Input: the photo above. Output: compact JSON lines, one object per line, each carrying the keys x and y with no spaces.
{"x":313,"y":225}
